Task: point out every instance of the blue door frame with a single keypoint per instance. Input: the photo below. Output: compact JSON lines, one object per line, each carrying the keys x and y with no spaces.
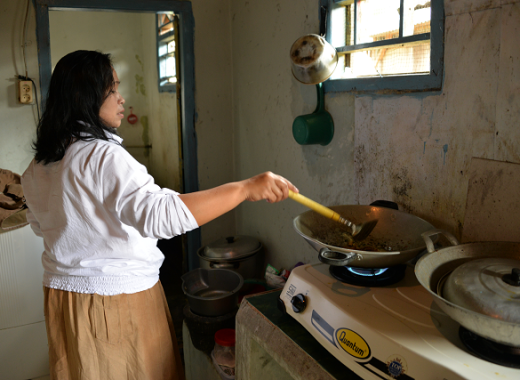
{"x":187,"y":76}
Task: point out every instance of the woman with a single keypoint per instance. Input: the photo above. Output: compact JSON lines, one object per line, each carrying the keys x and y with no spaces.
{"x":100,"y":215}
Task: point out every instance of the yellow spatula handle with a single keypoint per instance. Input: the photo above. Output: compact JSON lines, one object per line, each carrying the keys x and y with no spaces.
{"x":315,"y":206}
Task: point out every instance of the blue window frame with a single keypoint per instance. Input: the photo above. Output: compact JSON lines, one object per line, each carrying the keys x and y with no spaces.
{"x":166,"y":51}
{"x":385,"y":45}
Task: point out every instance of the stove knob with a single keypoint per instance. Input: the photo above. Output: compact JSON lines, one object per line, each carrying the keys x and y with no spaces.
{"x":298,"y":303}
{"x":281,"y":306}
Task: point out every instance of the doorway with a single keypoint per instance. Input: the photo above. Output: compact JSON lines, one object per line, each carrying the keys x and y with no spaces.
{"x":163,"y":138}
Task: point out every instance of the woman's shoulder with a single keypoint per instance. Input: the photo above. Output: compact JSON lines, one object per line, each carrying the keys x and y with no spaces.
{"x":96,"y":147}
{"x":100,"y":152}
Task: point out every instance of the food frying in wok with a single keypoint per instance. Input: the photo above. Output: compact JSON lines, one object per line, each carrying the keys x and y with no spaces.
{"x":338,"y":237}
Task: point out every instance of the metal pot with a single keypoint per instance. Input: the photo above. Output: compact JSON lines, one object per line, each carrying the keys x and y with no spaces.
{"x":435,"y":266}
{"x":313,"y":59}
{"x":399,"y":231}
{"x":241,"y":254}
{"x":212,"y":292}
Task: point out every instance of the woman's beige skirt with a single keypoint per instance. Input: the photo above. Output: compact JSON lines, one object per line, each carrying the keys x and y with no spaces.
{"x":122,"y":337}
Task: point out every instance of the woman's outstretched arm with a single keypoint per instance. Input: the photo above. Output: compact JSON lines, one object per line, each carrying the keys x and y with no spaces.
{"x":207,"y":205}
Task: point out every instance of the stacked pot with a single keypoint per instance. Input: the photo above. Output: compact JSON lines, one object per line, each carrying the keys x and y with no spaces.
{"x":241,"y":254}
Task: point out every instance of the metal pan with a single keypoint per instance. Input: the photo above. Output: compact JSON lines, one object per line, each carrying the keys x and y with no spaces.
{"x":400,"y":233}
{"x":437,"y":264}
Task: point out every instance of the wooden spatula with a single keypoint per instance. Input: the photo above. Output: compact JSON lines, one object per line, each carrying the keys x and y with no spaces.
{"x":359,"y":231}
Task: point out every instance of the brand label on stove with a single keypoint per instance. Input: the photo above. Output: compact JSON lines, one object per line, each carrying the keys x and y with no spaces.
{"x":396,"y":366}
{"x":353,"y":343}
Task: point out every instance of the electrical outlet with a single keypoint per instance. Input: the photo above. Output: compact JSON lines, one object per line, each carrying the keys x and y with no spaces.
{"x":25,"y":92}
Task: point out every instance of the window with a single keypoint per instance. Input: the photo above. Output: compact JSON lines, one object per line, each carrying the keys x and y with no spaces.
{"x":166,"y":52}
{"x":386,"y":44}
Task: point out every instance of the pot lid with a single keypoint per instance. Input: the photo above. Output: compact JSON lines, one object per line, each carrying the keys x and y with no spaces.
{"x":489,"y":286}
{"x":231,"y":248}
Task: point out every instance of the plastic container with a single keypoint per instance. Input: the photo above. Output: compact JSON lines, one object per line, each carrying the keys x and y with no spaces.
{"x":224,"y":352}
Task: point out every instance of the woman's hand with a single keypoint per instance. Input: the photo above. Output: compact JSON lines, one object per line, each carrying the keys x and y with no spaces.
{"x":207,"y":205}
{"x":268,"y":186}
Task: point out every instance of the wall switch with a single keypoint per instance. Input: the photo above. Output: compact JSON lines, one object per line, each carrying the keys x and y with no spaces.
{"x":25,"y":93}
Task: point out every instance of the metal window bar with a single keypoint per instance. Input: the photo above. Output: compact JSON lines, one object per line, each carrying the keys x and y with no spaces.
{"x":408,"y":40}
{"x":355,"y":22}
{"x":401,"y":19}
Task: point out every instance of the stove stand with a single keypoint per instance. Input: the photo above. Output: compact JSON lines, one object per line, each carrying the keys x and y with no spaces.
{"x":490,"y":351}
{"x":369,"y":277}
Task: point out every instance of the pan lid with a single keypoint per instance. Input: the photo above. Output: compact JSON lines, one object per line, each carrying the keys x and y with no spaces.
{"x":231,"y":248}
{"x":489,"y":286}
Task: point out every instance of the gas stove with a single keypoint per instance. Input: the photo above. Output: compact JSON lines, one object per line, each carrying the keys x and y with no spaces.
{"x":393,"y":331}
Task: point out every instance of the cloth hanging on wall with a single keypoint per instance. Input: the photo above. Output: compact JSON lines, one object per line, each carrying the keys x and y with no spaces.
{"x":13,"y":209}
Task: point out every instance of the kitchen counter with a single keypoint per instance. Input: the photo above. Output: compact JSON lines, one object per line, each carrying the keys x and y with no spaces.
{"x":272,"y":345}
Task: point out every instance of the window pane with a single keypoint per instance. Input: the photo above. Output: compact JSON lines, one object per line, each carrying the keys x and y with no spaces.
{"x":392,"y":61}
{"x":377,"y":20}
{"x":342,"y":24}
{"x":162,"y":68}
{"x":398,"y":60}
{"x":417,"y":16}
{"x":171,"y":47}
{"x":170,"y":66}
{"x":164,"y":19}
{"x":166,"y":28}
{"x":163,"y":49}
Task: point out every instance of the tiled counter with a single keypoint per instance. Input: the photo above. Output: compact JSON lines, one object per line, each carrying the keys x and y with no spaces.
{"x":271,"y":345}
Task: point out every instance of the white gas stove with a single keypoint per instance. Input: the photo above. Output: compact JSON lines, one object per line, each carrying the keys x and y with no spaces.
{"x":391,"y":332}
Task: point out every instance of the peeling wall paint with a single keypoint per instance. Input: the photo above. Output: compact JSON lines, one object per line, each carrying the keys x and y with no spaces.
{"x":146,"y":134}
{"x":460,"y":122}
{"x":138,"y":59}
{"x":140,"y":88}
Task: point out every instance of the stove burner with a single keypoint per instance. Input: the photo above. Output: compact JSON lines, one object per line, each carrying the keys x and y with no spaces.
{"x":490,"y":351}
{"x":367,"y":271}
{"x":370,"y":277}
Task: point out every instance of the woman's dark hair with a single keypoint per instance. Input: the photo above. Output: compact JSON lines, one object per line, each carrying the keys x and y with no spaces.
{"x":80,"y":83}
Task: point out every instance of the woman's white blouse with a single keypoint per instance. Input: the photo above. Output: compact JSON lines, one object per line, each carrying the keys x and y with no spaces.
{"x":100,"y":215}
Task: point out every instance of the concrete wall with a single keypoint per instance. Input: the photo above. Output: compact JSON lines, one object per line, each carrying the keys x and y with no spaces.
{"x":416,"y":149}
{"x":412,"y":149}
{"x":214,"y":77}
{"x":18,"y":121}
{"x":22,"y":327}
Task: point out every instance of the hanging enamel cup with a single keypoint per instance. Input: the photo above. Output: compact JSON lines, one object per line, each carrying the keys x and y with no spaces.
{"x":313,"y":59}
